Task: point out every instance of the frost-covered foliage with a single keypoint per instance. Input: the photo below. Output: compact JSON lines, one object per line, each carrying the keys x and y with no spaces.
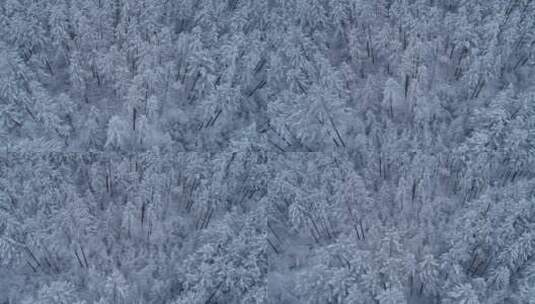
{"x":144,"y":228}
{"x":303,"y":151}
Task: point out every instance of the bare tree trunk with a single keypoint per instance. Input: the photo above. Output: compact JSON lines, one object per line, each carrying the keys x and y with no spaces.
{"x":85,"y":259}
{"x":134,"y":114}
{"x":78,"y":258}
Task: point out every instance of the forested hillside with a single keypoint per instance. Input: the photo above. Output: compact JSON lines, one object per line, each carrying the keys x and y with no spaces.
{"x":277,"y":151}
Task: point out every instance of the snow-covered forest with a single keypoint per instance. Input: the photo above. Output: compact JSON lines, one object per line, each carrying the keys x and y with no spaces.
{"x":267,"y":151}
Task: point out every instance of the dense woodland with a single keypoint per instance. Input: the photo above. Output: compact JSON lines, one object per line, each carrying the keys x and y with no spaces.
{"x":277,"y":151}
